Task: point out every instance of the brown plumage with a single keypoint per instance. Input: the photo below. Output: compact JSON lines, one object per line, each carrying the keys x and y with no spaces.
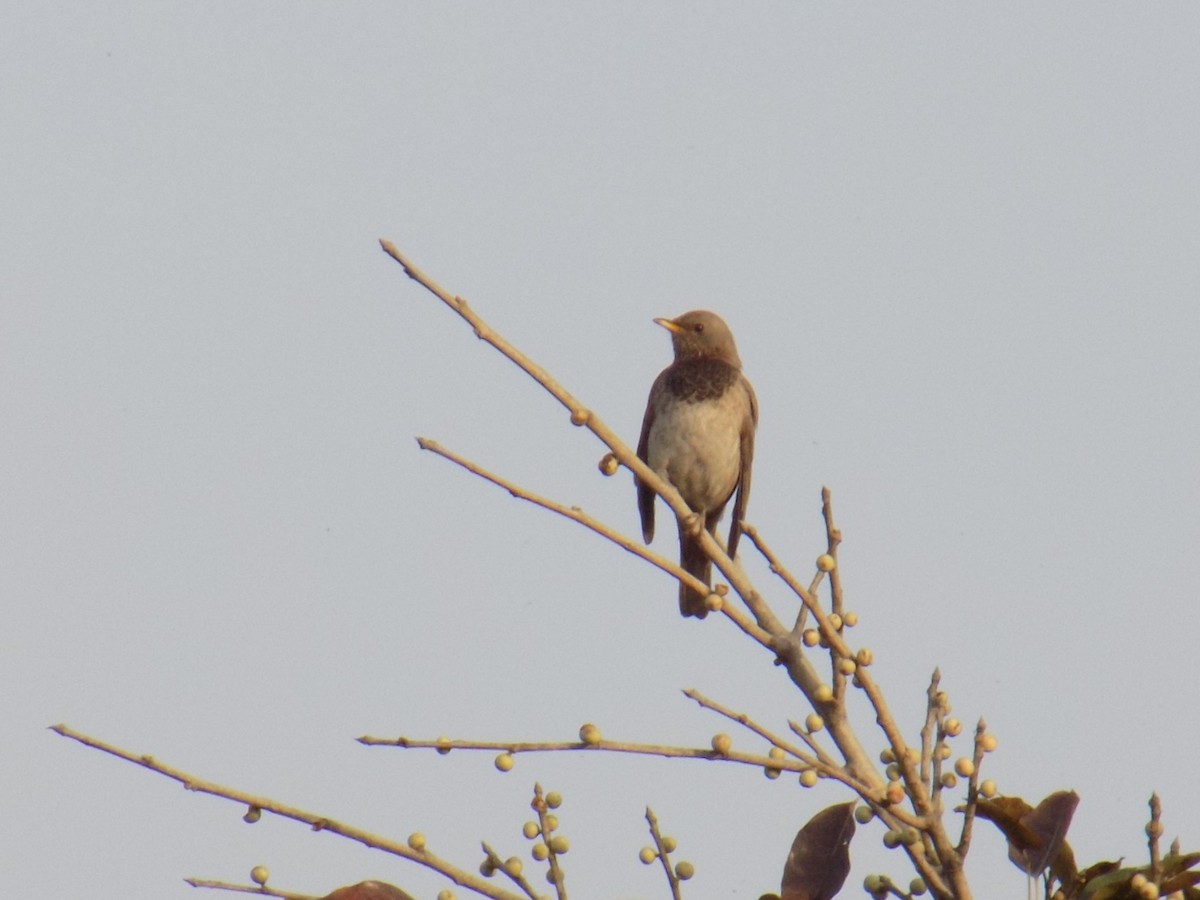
{"x":698,"y":434}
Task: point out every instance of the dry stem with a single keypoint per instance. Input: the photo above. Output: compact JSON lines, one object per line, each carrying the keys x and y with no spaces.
{"x":315,"y":821}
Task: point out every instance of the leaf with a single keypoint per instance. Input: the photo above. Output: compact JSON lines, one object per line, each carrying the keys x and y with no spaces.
{"x":1049,"y":823}
{"x":368,"y":890}
{"x":1036,"y":837}
{"x":1180,"y":881}
{"x":1112,"y":885}
{"x":819,"y":860}
{"x":1174,"y":863}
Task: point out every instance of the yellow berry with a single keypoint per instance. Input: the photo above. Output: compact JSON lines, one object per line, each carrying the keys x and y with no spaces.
{"x":835,"y":621}
{"x":487,"y":868}
{"x":942,"y":701}
{"x":539,"y":851}
{"x":988,"y":743}
{"x":772,"y":773}
{"x":559,"y":844}
{"x":814,"y":723}
{"x":863,"y":814}
{"x":684,"y":870}
{"x":864,"y":657}
{"x":589,"y":734}
{"x":776,"y":753}
{"x":953,"y":727}
{"x":808,"y":778}
{"x":551,"y":822}
{"x":504,"y":762}
{"x":988,"y":788}
{"x":647,"y":855}
{"x":811,"y":637}
{"x":416,"y":841}
{"x":893,"y":771}
{"x":887,"y":755}
{"x":823,"y":693}
{"x":895,"y":793}
{"x":253,"y":814}
{"x":443,"y":745}
{"x":964,"y":767}
{"x":714,"y":601}
{"x":891,"y":839}
{"x":917,"y":887}
{"x":722,"y":743}
{"x":943,"y":750}
{"x":669,"y":844}
{"x":609,"y":464}
{"x":580,"y":416}
{"x":826,"y":563}
{"x":554,"y":799}
{"x":850,"y":619}
{"x":872,"y":883}
{"x":445,"y":895}
{"x":260,"y":874}
{"x":949,"y":780}
{"x":531,"y":830}
{"x":847,"y":666}
{"x":513,"y":866}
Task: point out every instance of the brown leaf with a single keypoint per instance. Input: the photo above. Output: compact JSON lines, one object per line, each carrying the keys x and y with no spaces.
{"x":1049,"y":824}
{"x":368,"y":890}
{"x":819,"y":860}
{"x":1036,"y":837}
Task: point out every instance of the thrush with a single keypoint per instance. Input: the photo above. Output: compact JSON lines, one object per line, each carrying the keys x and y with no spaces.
{"x":698,"y":434}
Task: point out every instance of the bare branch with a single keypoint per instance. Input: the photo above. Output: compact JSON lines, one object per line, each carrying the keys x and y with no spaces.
{"x":546,"y":826}
{"x":444,"y":745}
{"x":313,"y":820}
{"x":663,"y":854}
{"x":1154,"y":831}
{"x":260,"y":890}
{"x":575,"y":514}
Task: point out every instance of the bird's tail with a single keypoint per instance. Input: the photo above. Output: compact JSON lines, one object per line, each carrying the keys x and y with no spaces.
{"x":694,"y":561}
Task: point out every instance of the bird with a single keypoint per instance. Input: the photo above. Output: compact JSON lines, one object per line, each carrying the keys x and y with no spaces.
{"x":698,"y":434}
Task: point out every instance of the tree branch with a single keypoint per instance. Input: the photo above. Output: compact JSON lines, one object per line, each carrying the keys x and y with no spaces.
{"x":315,"y":821}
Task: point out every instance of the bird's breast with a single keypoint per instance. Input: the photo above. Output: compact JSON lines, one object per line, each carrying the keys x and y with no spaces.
{"x":695,"y":445}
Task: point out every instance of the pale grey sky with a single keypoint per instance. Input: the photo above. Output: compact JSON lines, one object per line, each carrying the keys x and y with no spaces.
{"x":958,"y":246}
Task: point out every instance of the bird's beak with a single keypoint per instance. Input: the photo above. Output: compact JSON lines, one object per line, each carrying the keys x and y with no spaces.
{"x":669,"y":325}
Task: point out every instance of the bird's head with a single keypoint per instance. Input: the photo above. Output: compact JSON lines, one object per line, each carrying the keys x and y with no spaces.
{"x":700,"y":334}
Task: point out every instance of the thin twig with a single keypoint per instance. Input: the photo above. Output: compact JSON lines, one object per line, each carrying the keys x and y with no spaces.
{"x":541,"y":807}
{"x":972,"y":804}
{"x":1154,"y":831}
{"x":929,"y":733}
{"x":575,"y":514}
{"x":833,"y":538}
{"x":745,"y":721}
{"x":261,"y":890}
{"x":663,"y":854}
{"x":442,"y":745}
{"x":518,"y":877}
{"x":316,"y":822}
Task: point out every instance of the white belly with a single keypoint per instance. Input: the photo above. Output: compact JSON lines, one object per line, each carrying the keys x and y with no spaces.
{"x":697,"y":447}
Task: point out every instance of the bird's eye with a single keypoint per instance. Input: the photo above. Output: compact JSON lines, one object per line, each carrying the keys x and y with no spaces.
{"x":698,"y":328}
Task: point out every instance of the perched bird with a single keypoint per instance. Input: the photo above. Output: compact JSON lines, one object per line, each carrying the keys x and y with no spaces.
{"x":698,"y":434}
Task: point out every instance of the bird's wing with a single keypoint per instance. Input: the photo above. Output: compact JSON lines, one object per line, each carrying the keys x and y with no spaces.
{"x":645,"y":493}
{"x":746,"y":454}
